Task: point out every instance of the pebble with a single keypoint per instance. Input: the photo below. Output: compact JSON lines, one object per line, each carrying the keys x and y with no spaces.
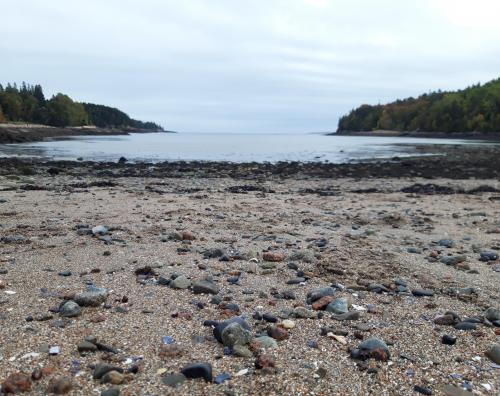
{"x":465,"y":326}
{"x":371,"y":348}
{"x":352,"y":315}
{"x":92,"y":297}
{"x":100,"y":230}
{"x":198,"y":370}
{"x":113,"y":377}
{"x":494,"y":354}
{"x":266,"y":342}
{"x":70,"y":309}
{"x":86,"y":346}
{"x":453,"y":260}
{"x":288,"y":324}
{"x":205,"y":287}
{"x":338,"y":306}
{"x":173,"y":380}
{"x":235,"y":334}
{"x":448,"y":340}
{"x":273,"y":257}
{"x":278,"y":333}
{"x":492,"y":314}
{"x":322,"y":303}
{"x":220,"y":326}
{"x":16,"y":383}
{"x":304,"y":313}
{"x":65,"y":273}
{"x":180,"y":282}
{"x":265,"y":361}
{"x":242,"y":351}
{"x":102,"y":368}
{"x":422,"y":292}
{"x":422,"y":390}
{"x":59,"y":386}
{"x":488,"y":256}
{"x":111,"y":392}
{"x":220,"y":378}
{"x":315,"y":295}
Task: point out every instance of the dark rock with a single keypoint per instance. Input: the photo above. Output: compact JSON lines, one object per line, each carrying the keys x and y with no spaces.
{"x":448,"y":340}
{"x":103,"y":368}
{"x":198,"y":370}
{"x":422,"y":292}
{"x":220,"y":326}
{"x":465,"y":326}
{"x":70,"y":309}
{"x":205,"y":287}
{"x":371,"y":348}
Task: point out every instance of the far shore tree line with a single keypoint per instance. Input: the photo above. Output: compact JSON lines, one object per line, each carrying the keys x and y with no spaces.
{"x":474,"y":109}
{"x":27,"y":104}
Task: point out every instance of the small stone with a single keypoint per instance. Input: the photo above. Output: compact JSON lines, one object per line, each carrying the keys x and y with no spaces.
{"x":465,"y":326}
{"x":315,"y":295}
{"x":205,"y":287}
{"x":322,"y":303}
{"x":304,"y":313}
{"x":494,"y":354}
{"x":220,"y":378}
{"x":352,"y":315}
{"x":92,"y":297}
{"x":235,"y":334}
{"x":86,"y":346}
{"x":266,"y":342}
{"x":265,"y":361}
{"x":269,"y":318}
{"x":288,"y":324}
{"x":220,"y":326}
{"x":111,"y":392}
{"x":338,"y":306}
{"x":273,"y":257}
{"x":65,"y":273}
{"x":113,"y":377}
{"x":102,"y":368}
{"x":492,"y":314}
{"x":70,"y":309}
{"x":448,"y":340}
{"x":278,"y":333}
{"x":444,"y":320}
{"x":453,"y":260}
{"x":488,"y":256}
{"x":100,"y":230}
{"x":16,"y":383}
{"x":242,"y":351}
{"x":59,"y":386}
{"x":422,"y":390}
{"x":422,"y":292}
{"x":372,"y":348}
{"x":188,"y":236}
{"x":198,"y":370}
{"x":174,"y":380}
{"x":180,"y":282}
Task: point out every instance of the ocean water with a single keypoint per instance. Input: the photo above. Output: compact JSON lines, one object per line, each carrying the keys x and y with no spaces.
{"x":225,"y":147}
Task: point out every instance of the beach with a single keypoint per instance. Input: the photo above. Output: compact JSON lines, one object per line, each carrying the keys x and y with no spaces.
{"x":317,"y":259}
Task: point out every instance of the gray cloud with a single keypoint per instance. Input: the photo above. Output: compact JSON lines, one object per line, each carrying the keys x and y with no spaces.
{"x":238,"y":65}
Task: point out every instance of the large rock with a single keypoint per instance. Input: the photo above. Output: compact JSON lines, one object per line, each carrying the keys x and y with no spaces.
{"x":92,"y":297}
{"x":235,"y":334}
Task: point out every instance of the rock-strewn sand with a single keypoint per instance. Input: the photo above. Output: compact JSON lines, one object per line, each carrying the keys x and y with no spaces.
{"x":349,"y":239}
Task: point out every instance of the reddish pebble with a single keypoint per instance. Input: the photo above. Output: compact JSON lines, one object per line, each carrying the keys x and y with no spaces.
{"x":265,"y":361}
{"x":322,"y":303}
{"x":16,"y":383}
{"x":273,"y":256}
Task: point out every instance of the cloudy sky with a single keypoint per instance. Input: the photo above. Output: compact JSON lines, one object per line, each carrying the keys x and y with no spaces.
{"x":247,"y":65}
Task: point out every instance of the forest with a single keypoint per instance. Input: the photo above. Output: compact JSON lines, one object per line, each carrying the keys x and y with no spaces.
{"x":474,"y":109}
{"x":27,"y":104}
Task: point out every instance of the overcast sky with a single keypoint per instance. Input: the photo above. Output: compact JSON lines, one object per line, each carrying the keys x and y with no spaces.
{"x":247,"y":65}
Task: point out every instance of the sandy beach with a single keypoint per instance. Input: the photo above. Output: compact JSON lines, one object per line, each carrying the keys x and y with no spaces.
{"x":404,"y":260}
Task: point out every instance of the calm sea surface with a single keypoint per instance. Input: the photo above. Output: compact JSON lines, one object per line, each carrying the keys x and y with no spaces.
{"x":224,"y":147}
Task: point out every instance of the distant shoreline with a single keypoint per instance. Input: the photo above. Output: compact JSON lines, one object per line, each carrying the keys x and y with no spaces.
{"x":27,"y":133}
{"x":427,"y":135}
